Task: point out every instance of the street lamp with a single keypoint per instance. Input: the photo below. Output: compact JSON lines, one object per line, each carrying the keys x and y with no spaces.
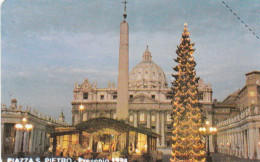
{"x":207,"y":131}
{"x":81,"y":108}
{"x":23,"y":127}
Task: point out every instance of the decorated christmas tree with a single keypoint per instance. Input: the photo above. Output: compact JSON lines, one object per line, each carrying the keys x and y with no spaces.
{"x":187,"y":140}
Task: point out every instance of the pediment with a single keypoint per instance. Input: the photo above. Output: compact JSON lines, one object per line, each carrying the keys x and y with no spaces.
{"x":142,"y":98}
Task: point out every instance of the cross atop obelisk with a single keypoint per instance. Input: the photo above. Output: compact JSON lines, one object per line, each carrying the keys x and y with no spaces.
{"x":125,"y":15}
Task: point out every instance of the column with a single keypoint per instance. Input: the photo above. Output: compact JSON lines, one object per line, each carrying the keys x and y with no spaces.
{"x":39,"y":141}
{"x":135,"y":119}
{"x":162,"y":130}
{"x":43,"y":141}
{"x":85,"y":116}
{"x":257,"y":137}
{"x":2,"y":135}
{"x":247,"y":143}
{"x":127,"y":141}
{"x":232,"y":141}
{"x":76,"y":118}
{"x":251,"y":143}
{"x":25,"y":143}
{"x":61,"y":140}
{"x":17,"y":142}
{"x":149,"y":119}
{"x":35,"y":143}
{"x":242,"y":143}
{"x":236,"y":144}
{"x":31,"y":142}
{"x":37,"y":138}
{"x":157,"y":126}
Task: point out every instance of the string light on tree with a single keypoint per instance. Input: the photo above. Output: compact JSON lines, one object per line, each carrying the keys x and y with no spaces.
{"x":187,"y":119}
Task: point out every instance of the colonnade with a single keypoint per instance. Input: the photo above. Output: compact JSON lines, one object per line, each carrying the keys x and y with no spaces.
{"x":240,"y":142}
{"x":33,"y":141}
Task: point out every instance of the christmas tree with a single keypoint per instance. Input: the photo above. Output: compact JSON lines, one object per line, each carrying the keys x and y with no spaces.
{"x":187,"y":143}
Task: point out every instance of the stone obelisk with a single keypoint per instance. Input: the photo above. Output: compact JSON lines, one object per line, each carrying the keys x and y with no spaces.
{"x":123,"y":70}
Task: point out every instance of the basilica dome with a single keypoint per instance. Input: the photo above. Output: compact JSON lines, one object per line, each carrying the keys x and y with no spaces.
{"x":147,"y":74}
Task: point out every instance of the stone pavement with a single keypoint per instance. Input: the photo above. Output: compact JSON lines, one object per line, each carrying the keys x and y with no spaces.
{"x":218,"y":158}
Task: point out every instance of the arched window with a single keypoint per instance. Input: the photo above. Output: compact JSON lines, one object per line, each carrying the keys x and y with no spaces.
{"x":142,"y":118}
{"x":114,"y":116}
{"x":131,"y":118}
{"x":153,"y":118}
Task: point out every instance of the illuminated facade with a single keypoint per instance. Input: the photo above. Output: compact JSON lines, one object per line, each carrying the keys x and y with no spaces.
{"x":149,"y":99}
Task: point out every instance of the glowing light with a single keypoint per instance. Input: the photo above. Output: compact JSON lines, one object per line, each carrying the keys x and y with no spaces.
{"x":207,"y":122}
{"x":18,"y":126}
{"x":211,"y":129}
{"x":251,"y":93}
{"x":28,"y":127}
{"x":24,"y":120}
{"x":81,"y":107}
{"x":137,"y":151}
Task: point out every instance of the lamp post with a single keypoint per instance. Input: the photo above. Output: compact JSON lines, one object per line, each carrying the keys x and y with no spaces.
{"x":23,"y":127}
{"x":81,"y":108}
{"x":207,"y":131}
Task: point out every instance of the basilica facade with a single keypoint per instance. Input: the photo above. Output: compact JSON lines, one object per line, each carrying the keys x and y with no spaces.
{"x":150,"y":99}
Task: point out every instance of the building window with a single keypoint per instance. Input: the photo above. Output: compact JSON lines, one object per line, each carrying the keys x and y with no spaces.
{"x":153,"y":127}
{"x":85,"y":96}
{"x":114,"y":116}
{"x":131,"y":96}
{"x":142,"y":119}
{"x":114,"y":97}
{"x":153,"y":96}
{"x":102,"y":97}
{"x":153,"y":118}
{"x":200,"y":96}
{"x":169,"y":127}
{"x":131,"y":118}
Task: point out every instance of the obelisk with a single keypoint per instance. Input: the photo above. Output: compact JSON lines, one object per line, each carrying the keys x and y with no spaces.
{"x":123,"y":70}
